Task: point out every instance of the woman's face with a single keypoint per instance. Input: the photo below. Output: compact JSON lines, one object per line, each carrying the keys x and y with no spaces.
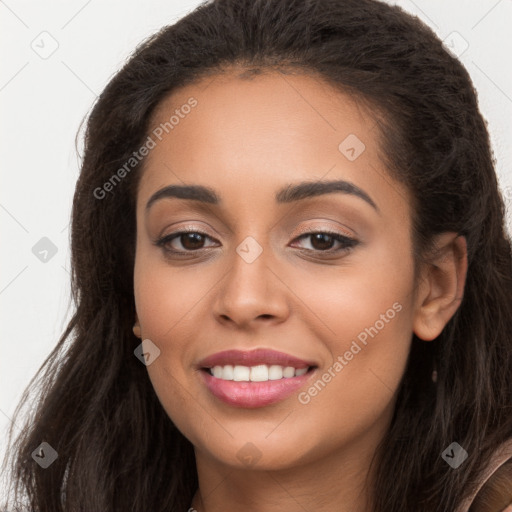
{"x":317,"y":280}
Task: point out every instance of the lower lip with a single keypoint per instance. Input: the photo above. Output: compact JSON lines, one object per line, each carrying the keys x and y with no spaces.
{"x":253,"y":394}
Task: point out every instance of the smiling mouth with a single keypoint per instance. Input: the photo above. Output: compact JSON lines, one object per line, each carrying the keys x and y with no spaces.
{"x":258,"y":373}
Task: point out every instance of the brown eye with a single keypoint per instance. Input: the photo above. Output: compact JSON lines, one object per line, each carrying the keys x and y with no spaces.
{"x":183,"y":241}
{"x":191,"y":241}
{"x":324,"y":242}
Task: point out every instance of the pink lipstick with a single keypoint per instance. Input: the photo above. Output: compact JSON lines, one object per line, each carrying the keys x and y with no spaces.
{"x":254,"y":378}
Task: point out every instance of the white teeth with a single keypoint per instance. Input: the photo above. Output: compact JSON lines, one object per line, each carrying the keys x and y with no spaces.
{"x":275,"y":372}
{"x":259,"y":373}
{"x":288,"y":372}
{"x":227,"y":372}
{"x":241,"y":373}
{"x":217,"y":372}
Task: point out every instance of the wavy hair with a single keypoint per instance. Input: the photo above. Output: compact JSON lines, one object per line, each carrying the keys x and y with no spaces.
{"x":95,"y":405}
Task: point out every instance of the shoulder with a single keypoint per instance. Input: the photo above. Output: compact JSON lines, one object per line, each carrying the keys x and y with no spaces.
{"x":495,"y":486}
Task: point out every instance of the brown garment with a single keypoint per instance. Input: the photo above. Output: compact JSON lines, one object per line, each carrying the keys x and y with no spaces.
{"x":502,"y":454}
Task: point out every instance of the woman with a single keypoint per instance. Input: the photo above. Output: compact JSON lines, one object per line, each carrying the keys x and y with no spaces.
{"x":292,"y":277}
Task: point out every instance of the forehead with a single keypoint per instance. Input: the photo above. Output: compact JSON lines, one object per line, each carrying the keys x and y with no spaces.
{"x":272,"y":108}
{"x":260,"y":132}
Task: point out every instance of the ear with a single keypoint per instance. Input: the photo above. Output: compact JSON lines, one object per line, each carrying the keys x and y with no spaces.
{"x":441,"y":285}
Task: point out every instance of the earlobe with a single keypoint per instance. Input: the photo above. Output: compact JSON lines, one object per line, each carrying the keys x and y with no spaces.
{"x":440,"y":292}
{"x":136,"y":328}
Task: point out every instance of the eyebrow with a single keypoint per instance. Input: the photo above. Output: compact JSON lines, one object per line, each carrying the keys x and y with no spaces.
{"x":287,"y":194}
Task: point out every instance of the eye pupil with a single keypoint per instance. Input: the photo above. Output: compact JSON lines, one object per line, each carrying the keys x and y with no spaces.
{"x":196,"y":238}
{"x":321,"y":237}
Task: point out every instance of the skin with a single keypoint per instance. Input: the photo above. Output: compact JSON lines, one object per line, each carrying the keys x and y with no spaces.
{"x":246,"y":139}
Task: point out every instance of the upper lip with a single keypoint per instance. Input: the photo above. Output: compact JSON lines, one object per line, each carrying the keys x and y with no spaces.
{"x":253,"y":358}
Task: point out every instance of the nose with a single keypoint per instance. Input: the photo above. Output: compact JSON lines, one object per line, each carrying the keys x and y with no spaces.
{"x":251,"y":293}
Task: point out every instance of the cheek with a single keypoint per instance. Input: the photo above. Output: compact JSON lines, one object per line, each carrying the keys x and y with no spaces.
{"x":368,"y":310}
{"x":370,"y":293}
{"x":362,"y":380}
{"x":160,"y":304}
{"x":166,"y":297}
{"x":168,"y":302}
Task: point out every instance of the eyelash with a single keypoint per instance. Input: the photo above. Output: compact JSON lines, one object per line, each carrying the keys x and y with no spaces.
{"x":346,"y":242}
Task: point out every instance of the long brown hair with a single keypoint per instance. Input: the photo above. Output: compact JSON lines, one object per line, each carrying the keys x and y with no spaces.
{"x":117,"y":448}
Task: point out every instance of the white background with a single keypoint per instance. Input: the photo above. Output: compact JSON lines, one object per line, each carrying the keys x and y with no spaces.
{"x":43,"y":101}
